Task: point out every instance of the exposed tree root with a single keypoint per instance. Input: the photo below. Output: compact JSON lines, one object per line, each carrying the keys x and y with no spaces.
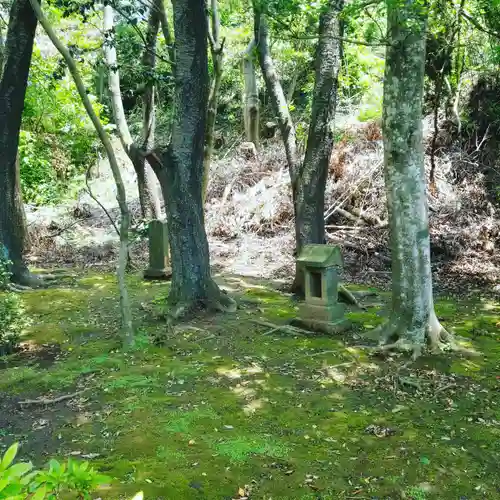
{"x":50,"y":401}
{"x":395,"y":335}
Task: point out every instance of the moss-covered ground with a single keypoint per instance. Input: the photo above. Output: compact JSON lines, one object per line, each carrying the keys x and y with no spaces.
{"x":228,"y":408}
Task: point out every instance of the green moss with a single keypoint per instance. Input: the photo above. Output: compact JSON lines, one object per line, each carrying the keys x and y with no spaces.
{"x":226,"y":403}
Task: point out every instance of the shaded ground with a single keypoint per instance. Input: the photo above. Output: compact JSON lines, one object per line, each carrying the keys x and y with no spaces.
{"x":227,"y":408}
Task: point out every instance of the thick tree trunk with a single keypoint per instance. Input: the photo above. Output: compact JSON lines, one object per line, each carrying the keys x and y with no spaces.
{"x":309,"y":189}
{"x":251,"y":103}
{"x":126,"y":312}
{"x":180,"y":169}
{"x":17,"y":59}
{"x":217,"y":51}
{"x":413,"y":322}
{"x":148,"y":200}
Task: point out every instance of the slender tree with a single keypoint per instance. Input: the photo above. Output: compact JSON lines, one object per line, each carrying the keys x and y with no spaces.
{"x":251,"y":103}
{"x":14,"y":77}
{"x":308,"y":178}
{"x":217,"y":52}
{"x":150,"y":204}
{"x":179,"y":167}
{"x":126,"y":314}
{"x":413,"y":323}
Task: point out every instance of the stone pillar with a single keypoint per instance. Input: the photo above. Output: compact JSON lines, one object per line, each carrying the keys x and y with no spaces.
{"x":159,"y":256}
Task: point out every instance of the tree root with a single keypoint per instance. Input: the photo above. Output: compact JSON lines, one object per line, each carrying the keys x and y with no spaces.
{"x":394,"y":335}
{"x":50,"y":401}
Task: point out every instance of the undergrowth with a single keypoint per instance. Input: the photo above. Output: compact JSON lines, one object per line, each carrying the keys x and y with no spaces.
{"x":229,"y":407}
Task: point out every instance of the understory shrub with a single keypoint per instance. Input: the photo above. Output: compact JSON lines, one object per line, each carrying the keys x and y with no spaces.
{"x":13,"y":318}
{"x":19,"y":481}
{"x":57,"y":141}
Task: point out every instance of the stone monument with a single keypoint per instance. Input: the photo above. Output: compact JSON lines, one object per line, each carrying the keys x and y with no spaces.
{"x":159,"y":252}
{"x":321,"y":309}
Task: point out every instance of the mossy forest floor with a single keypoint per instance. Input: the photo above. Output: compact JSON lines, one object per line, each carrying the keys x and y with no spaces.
{"x":228,"y":408}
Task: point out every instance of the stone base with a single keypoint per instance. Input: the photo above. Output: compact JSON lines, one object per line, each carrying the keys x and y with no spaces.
{"x":326,"y":313}
{"x":330,"y":328}
{"x":158,"y":274}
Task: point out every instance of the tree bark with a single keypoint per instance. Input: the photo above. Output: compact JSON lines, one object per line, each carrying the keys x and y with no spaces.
{"x":413,"y":322}
{"x":251,"y":102}
{"x":217,"y":51}
{"x":126,"y":313}
{"x":275,"y":91}
{"x":17,"y":59}
{"x":309,"y":188}
{"x":309,"y":178}
{"x":150,"y":205}
{"x":180,"y":167}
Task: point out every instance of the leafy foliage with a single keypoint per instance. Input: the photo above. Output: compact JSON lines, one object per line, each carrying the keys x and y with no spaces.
{"x":20,"y":481}
{"x":57,"y":141}
{"x":13,"y":318}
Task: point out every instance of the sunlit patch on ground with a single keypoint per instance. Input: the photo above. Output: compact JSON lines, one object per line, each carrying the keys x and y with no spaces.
{"x":228,"y":403}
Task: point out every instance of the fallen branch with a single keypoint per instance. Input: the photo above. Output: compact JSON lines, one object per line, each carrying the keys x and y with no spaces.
{"x":286,"y":328}
{"x":49,"y":401}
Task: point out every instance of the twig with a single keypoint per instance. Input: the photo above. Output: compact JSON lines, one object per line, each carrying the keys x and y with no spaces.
{"x":49,"y":401}
{"x":286,"y":328}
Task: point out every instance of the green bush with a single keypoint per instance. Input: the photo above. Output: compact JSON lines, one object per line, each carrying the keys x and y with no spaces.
{"x":57,"y":141}
{"x":13,"y":318}
{"x":20,"y":481}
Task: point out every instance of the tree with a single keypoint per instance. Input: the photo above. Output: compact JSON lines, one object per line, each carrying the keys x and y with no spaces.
{"x":126,"y":314}
{"x":413,"y":322}
{"x":308,"y":178}
{"x":150,"y":205}
{"x":14,"y":77}
{"x":179,"y":167}
{"x":251,"y":102}
{"x":217,"y":52}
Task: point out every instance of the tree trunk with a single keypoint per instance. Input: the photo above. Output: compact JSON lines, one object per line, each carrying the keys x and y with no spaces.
{"x":413,"y":322}
{"x":309,"y":189}
{"x":217,"y":51}
{"x":309,"y":178}
{"x":275,"y":91}
{"x":126,"y":312}
{"x":251,"y":102}
{"x":148,"y":201}
{"x":180,"y":169}
{"x":17,"y":59}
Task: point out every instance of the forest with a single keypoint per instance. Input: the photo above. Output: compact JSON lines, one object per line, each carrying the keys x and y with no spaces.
{"x":249,"y":249}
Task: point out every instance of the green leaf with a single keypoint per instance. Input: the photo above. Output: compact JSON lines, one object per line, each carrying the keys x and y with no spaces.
{"x":3,"y":484}
{"x":40,"y":493}
{"x":425,"y":460}
{"x":55,"y":466}
{"x":9,"y":456}
{"x":19,"y":470}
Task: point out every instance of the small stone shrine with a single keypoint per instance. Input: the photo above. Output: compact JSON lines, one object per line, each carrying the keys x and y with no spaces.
{"x":159,"y":256}
{"x":321,"y":309}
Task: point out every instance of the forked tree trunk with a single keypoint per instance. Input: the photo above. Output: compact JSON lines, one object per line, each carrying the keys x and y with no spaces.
{"x":150,"y":205}
{"x":413,"y":322}
{"x":217,"y":51}
{"x":309,"y":178}
{"x":310,"y":186}
{"x":17,"y":59}
{"x":125,"y":310}
{"x":251,"y":103}
{"x":180,"y":167}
